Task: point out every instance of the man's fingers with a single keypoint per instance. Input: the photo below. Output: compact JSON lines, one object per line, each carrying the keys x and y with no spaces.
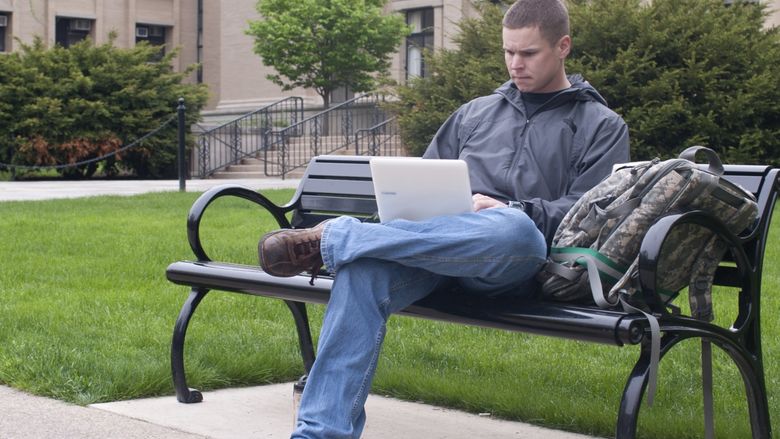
{"x":484,"y":202}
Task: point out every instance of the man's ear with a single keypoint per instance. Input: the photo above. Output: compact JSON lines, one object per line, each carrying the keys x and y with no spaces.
{"x":564,"y":46}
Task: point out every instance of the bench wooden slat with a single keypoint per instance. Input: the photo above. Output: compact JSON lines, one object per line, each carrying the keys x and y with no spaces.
{"x":750,"y":177}
{"x":341,"y":169}
{"x":748,"y":182}
{"x":339,"y":186}
{"x":338,"y":204}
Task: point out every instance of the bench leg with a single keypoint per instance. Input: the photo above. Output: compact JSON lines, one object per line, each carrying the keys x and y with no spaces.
{"x":632,"y":395}
{"x":637,"y":384}
{"x":750,"y":370}
{"x":183,"y":393}
{"x":755,"y":388}
{"x":305,"y":342}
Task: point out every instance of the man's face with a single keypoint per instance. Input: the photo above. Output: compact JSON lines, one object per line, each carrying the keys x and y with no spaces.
{"x":535,"y":65}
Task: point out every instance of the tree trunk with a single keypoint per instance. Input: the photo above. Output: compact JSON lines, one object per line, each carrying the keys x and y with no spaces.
{"x":325,"y":119}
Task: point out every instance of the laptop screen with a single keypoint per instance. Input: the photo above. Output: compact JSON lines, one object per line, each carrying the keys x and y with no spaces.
{"x":417,"y":189}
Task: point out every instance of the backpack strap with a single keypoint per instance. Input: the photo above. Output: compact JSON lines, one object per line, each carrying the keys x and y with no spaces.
{"x":706,"y":383}
{"x":716,"y":166}
{"x":567,"y":273}
{"x":596,"y":264}
{"x":655,"y":349}
{"x":702,"y":278}
{"x":597,"y":216}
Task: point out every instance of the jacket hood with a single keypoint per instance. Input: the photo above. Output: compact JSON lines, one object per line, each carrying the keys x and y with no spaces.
{"x":580,"y":89}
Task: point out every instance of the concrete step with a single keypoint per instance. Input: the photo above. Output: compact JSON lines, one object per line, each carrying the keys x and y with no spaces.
{"x":237,"y":175}
{"x":255,"y":167}
{"x":295,"y":173}
{"x":344,"y":151}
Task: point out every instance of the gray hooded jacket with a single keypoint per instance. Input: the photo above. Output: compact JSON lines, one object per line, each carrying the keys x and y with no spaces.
{"x":545,"y":160}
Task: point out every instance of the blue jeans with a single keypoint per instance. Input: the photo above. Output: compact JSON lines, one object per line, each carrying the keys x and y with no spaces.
{"x":383,"y":268}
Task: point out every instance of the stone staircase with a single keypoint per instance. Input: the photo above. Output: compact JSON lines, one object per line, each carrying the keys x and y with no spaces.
{"x":255,"y":168}
{"x":251,"y":168}
{"x":248,"y":168}
{"x":291,"y":135}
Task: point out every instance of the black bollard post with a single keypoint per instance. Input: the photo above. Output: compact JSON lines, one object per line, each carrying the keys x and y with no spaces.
{"x":181,"y":158}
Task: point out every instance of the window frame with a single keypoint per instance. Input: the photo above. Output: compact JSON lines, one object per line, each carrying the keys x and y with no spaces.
{"x":65,"y":33}
{"x":4,"y":32}
{"x":160,"y":41}
{"x":419,"y":41}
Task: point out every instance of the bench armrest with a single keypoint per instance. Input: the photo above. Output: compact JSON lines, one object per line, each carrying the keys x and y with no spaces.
{"x":199,"y":207}
{"x":650,"y":251}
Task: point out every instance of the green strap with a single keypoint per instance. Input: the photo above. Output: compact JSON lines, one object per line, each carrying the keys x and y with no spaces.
{"x":597,"y":265}
{"x":607,"y":266}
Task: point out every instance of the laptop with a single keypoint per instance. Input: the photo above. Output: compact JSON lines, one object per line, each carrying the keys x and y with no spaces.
{"x":416,"y":189}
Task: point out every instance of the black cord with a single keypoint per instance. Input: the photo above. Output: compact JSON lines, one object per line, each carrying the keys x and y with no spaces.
{"x":96,"y":159}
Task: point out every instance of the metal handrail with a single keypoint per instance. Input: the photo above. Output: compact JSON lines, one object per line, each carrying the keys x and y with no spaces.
{"x":323,"y":133}
{"x":246,"y":136}
{"x":382,"y":139}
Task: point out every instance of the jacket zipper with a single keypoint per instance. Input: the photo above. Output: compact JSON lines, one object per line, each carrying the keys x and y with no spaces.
{"x":528,"y":118}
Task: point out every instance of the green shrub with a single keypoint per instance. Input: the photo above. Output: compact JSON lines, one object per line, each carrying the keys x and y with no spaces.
{"x":680,"y":72}
{"x":61,"y":106}
{"x":474,"y":69}
{"x":685,"y":72}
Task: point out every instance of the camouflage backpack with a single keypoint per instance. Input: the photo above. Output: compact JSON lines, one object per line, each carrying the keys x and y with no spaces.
{"x":595,"y":249}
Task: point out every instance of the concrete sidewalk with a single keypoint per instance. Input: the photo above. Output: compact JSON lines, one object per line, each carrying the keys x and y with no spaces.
{"x":254,"y":412}
{"x":46,"y":190}
{"x":267,"y":412}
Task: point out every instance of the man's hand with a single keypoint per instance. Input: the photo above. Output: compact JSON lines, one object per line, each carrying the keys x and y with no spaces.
{"x":484,"y":202}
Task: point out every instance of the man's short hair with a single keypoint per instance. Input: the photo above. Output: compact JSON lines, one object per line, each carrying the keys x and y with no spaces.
{"x":550,"y":16}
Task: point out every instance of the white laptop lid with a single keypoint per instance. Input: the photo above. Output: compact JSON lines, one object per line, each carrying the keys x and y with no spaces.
{"x":417,"y":189}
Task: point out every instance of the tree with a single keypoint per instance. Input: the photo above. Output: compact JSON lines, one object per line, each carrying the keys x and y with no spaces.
{"x":475,"y":68}
{"x":680,"y":72}
{"x":61,"y":106}
{"x":326,"y":44}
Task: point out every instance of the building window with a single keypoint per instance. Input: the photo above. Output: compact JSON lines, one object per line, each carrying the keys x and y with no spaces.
{"x":154,"y":35}
{"x":421,"y":23}
{"x":69,"y":31}
{"x":5,"y":21}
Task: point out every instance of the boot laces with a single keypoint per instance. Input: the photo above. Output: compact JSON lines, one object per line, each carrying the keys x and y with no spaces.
{"x":305,"y":249}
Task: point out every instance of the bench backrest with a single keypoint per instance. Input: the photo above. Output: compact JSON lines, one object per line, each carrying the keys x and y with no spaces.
{"x":762,"y":182}
{"x":332,"y":186}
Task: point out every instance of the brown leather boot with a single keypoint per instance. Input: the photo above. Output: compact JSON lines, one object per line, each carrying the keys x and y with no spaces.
{"x":287,"y":252}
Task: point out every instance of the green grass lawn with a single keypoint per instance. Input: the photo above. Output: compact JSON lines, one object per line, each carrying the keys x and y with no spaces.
{"x":86,"y":316}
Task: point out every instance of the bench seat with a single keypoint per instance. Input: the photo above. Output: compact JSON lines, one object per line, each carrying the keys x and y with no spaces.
{"x":544,"y":318}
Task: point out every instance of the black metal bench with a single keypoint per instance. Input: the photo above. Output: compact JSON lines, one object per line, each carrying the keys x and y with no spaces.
{"x":337,"y":185}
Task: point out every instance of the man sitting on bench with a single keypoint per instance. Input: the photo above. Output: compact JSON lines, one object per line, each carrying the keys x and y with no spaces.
{"x":533,"y":147}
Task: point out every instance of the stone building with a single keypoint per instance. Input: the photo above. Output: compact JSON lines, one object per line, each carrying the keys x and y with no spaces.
{"x":209,"y":32}
{"x":212,"y":33}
